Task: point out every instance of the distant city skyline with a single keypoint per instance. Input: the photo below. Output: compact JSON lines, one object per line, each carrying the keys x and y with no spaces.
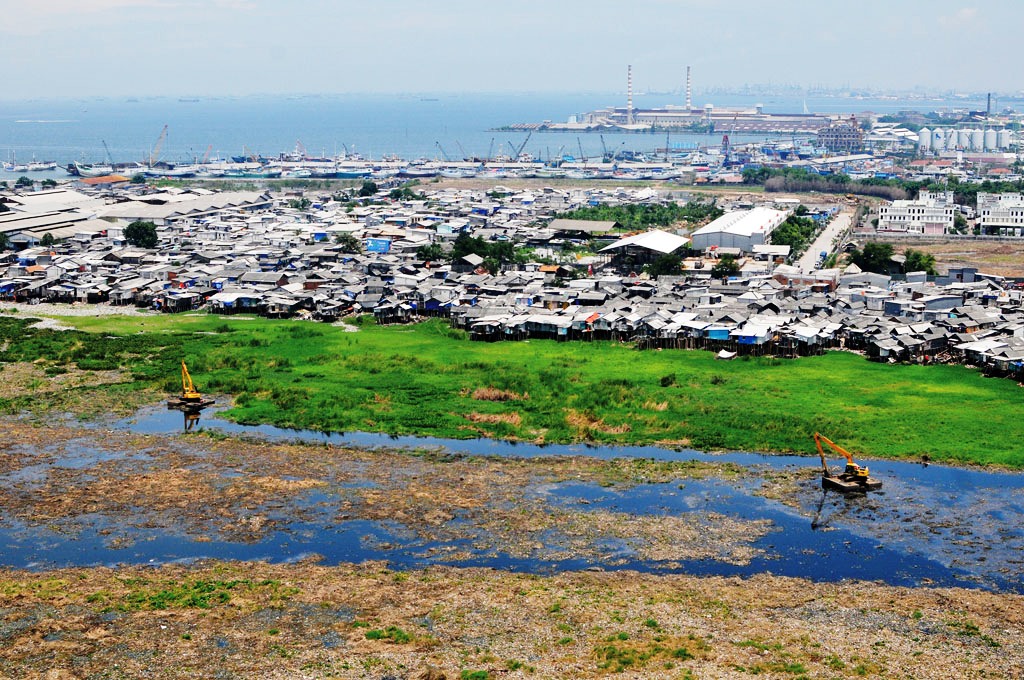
{"x":81,"y":48}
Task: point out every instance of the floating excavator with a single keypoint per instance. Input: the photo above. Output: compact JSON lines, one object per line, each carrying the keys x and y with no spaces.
{"x":853,"y":478}
{"x":190,"y":399}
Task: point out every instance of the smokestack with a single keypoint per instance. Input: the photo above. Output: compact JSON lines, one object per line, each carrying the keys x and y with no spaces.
{"x":689,"y":90}
{"x":629,"y":95}
{"x":988,"y":108}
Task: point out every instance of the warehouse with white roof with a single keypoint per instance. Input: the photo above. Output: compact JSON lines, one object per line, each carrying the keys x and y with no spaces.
{"x":741,"y":229}
{"x":645,"y":247}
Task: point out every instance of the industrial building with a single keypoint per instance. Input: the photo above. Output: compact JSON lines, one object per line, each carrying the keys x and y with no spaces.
{"x":939,"y":140}
{"x":1001,"y":214}
{"x":639,"y":249}
{"x":687,"y":117}
{"x":842,"y":136}
{"x":741,"y":229}
{"x":931,"y":213}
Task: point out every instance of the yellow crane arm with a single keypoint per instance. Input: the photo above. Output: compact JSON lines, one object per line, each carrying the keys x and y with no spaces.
{"x":819,"y":438}
{"x":188,"y":390}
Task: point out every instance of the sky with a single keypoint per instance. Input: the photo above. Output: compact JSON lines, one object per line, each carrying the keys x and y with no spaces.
{"x":80,"y":48}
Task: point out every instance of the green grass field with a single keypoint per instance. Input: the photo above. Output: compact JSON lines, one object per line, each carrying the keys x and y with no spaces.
{"x":430,"y":380}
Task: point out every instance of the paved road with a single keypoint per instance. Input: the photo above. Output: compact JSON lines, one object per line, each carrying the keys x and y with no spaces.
{"x":824,"y":241}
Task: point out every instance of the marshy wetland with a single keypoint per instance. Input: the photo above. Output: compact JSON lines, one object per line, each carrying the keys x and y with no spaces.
{"x":132,"y":548}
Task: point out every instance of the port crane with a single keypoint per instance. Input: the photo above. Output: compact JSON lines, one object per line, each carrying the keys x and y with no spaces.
{"x":609,"y":157}
{"x":110,"y":159}
{"x":465,"y":156}
{"x":518,"y":150}
{"x":443,"y":154}
{"x":853,"y":477}
{"x":154,"y":156}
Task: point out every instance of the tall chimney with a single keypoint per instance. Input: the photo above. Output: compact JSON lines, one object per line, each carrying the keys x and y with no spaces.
{"x":629,"y":95}
{"x":988,"y":108}
{"x":689,"y":90}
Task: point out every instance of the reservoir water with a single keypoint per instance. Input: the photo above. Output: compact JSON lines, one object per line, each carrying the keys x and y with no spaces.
{"x":929,"y":525}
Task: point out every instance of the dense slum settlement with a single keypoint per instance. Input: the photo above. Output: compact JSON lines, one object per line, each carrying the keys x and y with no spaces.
{"x":324,"y":256}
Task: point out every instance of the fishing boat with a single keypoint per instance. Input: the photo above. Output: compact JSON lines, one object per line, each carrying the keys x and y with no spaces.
{"x":41,"y":166}
{"x":458,"y":173}
{"x":89,"y":170}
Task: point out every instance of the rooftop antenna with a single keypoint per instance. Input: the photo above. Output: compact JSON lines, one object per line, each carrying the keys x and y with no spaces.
{"x":689,"y":90}
{"x":629,"y":95}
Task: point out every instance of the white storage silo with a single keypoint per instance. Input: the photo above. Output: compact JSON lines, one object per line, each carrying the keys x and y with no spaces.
{"x":951,"y":140}
{"x":924,"y":139}
{"x":1004,"y":139}
{"x":965,"y":138}
{"x":938,"y":139}
{"x":991,"y":140}
{"x":977,"y":140}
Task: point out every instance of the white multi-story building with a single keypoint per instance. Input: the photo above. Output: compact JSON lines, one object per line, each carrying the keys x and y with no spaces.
{"x":1001,"y":214}
{"x":931,"y":213}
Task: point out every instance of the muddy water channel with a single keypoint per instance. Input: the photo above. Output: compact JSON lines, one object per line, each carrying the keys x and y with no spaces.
{"x":140,"y":491}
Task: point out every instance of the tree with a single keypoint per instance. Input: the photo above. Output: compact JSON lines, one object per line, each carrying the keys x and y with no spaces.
{"x":5,"y":243}
{"x":796,"y":232}
{"x":492,"y":265}
{"x":300,"y":203}
{"x":917,"y":261}
{"x":404,"y":193}
{"x":430,"y":253}
{"x":348,"y":243}
{"x":875,"y":257}
{"x":141,"y":234}
{"x":24,"y":181}
{"x":47,"y":240}
{"x":368,"y":189}
{"x":467,"y":245}
{"x":726,"y":266}
{"x":959,"y":223}
{"x":138,"y":178}
{"x":665,"y":265}
{"x":49,"y":183}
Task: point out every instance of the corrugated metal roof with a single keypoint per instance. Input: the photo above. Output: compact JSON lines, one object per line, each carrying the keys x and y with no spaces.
{"x":656,"y":240}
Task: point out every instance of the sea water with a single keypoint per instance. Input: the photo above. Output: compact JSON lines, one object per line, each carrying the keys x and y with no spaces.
{"x":373,"y":125}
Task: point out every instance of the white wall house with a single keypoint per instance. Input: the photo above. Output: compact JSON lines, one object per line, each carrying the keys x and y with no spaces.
{"x":931,"y":213}
{"x":1001,"y":214}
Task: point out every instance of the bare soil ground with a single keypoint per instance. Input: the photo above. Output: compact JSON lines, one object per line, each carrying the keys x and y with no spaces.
{"x":1000,"y":258}
{"x":303,"y":620}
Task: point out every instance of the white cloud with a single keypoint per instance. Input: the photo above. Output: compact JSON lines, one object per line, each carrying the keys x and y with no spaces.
{"x":959,"y":18}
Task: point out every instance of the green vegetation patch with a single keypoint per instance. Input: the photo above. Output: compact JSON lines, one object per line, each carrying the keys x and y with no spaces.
{"x":141,"y":594}
{"x":641,"y":216}
{"x":422,"y":380}
{"x":616,"y":655}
